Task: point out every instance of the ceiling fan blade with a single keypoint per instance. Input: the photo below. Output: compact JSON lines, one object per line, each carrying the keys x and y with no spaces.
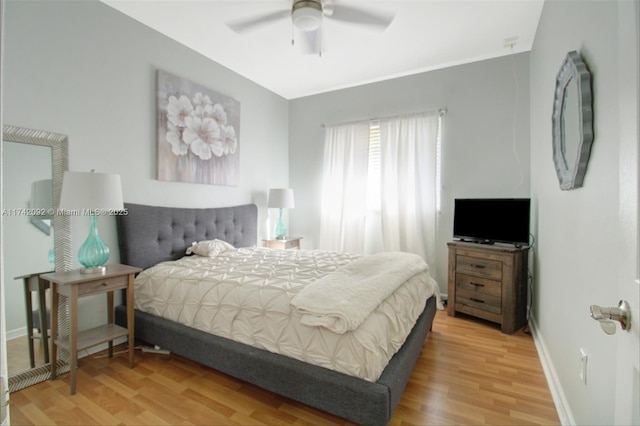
{"x":379,"y":19}
{"x":249,"y":24}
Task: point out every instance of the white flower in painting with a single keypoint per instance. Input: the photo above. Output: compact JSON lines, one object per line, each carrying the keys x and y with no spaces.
{"x":203,"y":137}
{"x":230,"y":142}
{"x":179,"y":109}
{"x":178,"y":146}
{"x":219,"y":114}
{"x":203,"y":105}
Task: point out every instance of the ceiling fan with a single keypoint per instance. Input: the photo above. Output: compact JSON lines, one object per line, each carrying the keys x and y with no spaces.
{"x":307,"y":16}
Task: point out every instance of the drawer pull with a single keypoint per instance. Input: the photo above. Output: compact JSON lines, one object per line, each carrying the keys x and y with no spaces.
{"x":477,"y":265}
{"x":473,"y":299}
{"x":104,"y":284}
{"x":476,"y":284}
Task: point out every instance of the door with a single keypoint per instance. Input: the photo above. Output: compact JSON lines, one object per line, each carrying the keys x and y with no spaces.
{"x":627,"y":410}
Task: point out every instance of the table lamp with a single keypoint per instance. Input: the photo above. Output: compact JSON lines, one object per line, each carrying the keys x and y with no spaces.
{"x":93,"y":194}
{"x":280,"y":198}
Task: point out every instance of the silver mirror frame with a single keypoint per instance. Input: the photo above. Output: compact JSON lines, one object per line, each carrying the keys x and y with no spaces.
{"x":573,"y":67}
{"x":61,"y":237}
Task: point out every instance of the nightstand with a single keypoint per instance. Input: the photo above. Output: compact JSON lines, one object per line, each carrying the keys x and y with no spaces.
{"x":33,"y":283}
{"x":75,"y":284}
{"x":286,"y":244}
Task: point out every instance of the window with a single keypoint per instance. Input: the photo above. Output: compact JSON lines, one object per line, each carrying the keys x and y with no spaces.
{"x":395,"y":159}
{"x":374,"y":175}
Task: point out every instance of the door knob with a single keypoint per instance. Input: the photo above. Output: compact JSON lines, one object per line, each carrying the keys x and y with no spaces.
{"x":607,"y":316}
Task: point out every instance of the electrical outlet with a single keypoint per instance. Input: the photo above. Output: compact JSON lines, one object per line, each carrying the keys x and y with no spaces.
{"x":583,"y":366}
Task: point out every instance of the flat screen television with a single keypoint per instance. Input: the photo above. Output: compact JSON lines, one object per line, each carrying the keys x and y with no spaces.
{"x":492,"y":220}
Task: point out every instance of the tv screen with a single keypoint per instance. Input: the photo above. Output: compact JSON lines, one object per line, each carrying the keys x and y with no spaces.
{"x":492,"y":220}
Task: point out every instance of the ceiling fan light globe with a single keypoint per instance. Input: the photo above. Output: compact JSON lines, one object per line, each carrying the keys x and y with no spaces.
{"x":307,"y":15}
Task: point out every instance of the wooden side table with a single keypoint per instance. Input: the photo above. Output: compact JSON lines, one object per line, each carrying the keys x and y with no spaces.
{"x":73,"y":285}
{"x":286,"y":244}
{"x":33,"y":283}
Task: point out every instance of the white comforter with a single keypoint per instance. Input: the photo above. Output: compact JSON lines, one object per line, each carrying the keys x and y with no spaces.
{"x":343,"y":299}
{"x":245,"y":295}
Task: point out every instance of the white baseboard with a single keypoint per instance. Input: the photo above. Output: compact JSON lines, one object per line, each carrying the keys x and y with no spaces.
{"x":557,"y":393}
{"x":17,"y":332}
{"x":22,"y":332}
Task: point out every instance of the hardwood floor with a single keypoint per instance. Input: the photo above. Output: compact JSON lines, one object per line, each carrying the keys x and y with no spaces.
{"x":468,"y":373}
{"x":18,"y":354}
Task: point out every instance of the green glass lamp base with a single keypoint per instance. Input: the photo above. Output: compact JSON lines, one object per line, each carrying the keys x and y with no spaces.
{"x":93,"y":253}
{"x":280,"y":229}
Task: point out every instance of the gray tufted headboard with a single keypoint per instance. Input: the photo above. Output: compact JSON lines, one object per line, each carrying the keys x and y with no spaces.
{"x":151,"y":234}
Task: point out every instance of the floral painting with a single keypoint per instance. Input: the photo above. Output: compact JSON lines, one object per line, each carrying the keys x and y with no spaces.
{"x":198,"y":138}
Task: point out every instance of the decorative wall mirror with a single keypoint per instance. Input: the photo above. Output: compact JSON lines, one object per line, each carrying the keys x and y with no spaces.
{"x":31,"y":151}
{"x":572,"y":121}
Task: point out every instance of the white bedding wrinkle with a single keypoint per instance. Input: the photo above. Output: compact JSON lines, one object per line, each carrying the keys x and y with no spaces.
{"x":343,"y":299}
{"x":246,"y":294}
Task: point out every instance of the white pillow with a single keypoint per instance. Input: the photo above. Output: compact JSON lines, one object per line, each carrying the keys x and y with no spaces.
{"x":209,"y":248}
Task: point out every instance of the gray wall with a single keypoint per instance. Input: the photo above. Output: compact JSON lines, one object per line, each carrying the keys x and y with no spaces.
{"x":83,"y":69}
{"x":485,"y":149}
{"x":577,"y":231}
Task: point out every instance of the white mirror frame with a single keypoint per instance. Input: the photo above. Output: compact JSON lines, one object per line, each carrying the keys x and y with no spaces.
{"x":573,"y":67}
{"x":61,"y":238}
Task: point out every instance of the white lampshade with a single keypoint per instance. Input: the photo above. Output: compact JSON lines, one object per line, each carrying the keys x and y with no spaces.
{"x":281,"y":198}
{"x":42,"y":198}
{"x":307,"y":15}
{"x":91,"y":190}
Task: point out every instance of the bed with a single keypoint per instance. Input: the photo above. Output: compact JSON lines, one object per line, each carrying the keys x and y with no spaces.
{"x":148,"y":236}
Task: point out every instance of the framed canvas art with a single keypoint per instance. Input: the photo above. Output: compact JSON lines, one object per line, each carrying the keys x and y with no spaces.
{"x":198,"y":133}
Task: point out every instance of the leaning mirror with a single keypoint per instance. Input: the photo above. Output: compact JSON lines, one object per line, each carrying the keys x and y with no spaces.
{"x":572,"y":121}
{"x":33,"y":163}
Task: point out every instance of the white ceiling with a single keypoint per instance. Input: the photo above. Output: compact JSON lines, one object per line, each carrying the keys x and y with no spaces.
{"x":425,"y":35}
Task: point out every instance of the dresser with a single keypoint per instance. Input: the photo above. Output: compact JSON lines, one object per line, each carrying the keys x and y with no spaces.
{"x":489,"y":282}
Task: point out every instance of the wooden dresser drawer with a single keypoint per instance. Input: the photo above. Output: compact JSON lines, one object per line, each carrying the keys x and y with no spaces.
{"x":479,"y":267}
{"x":291,"y":244}
{"x":479,"y":301}
{"x":103,"y":285}
{"x":479,"y":293}
{"x":479,"y":285}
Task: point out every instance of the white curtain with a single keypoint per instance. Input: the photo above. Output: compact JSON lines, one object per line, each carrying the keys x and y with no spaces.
{"x":408,"y":183}
{"x":344,"y":187}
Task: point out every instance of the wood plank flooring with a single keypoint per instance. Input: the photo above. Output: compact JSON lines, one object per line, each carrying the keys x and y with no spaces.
{"x":18,"y":354}
{"x":468,"y":373}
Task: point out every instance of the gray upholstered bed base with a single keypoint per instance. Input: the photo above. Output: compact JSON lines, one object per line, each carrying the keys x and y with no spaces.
{"x":345,"y":396}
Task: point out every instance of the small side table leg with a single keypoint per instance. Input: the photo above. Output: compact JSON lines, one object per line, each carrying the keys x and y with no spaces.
{"x":131,"y":318}
{"x":110,"y":318}
{"x":29,"y":307}
{"x":54,"y":329}
{"x":73,"y":337}
{"x":42,"y":309}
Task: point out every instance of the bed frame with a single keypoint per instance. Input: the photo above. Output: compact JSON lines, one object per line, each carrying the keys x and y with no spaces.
{"x":148,"y":235}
